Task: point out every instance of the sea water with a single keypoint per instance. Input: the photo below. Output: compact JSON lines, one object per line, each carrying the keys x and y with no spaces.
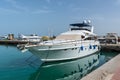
{"x":15,"y":65}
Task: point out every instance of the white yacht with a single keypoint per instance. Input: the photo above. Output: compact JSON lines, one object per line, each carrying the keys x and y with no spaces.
{"x":79,"y":41}
{"x":30,"y":38}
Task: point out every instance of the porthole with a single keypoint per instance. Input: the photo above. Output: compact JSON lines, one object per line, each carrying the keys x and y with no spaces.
{"x":65,"y":49}
{"x":72,"y":48}
{"x":75,"y":48}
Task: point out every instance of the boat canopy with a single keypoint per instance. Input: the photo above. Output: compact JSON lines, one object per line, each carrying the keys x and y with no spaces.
{"x":80,"y":25}
{"x":68,"y":37}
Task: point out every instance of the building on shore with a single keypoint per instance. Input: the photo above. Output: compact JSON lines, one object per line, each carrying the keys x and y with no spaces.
{"x":4,"y":37}
{"x":112,"y":38}
{"x":110,"y":42}
{"x":10,"y":36}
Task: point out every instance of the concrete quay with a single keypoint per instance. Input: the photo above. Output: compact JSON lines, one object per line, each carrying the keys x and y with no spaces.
{"x":108,"y":71}
{"x":12,"y":42}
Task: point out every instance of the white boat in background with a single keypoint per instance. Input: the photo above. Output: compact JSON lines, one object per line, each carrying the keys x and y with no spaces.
{"x":79,"y":41}
{"x":30,"y":38}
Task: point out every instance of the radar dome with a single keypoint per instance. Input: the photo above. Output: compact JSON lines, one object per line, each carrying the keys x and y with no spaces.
{"x":88,"y":21}
{"x":85,"y":22}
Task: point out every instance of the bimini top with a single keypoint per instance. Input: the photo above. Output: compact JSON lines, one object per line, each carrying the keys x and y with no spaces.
{"x":86,"y":23}
{"x":80,"y":25}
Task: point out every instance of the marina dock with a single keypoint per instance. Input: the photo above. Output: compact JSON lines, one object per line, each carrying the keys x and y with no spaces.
{"x":12,"y":42}
{"x":110,"y":47}
{"x":110,"y":42}
{"x":109,"y":71}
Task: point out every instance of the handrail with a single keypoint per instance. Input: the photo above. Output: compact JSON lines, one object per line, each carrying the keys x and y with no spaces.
{"x":64,"y":42}
{"x":71,"y":42}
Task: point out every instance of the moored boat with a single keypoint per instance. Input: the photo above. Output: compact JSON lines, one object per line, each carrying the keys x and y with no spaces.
{"x":79,"y":41}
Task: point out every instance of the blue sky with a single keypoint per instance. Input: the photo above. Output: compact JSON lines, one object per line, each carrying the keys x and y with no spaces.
{"x":54,"y":16}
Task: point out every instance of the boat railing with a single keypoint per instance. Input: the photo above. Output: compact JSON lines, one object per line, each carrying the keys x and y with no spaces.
{"x":72,"y":42}
{"x":63,"y":42}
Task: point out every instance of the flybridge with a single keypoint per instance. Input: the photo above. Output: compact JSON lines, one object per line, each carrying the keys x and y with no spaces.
{"x":86,"y":23}
{"x":82,"y":26}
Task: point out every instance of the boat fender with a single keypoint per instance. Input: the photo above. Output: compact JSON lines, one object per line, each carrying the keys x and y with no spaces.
{"x":90,"y":47}
{"x":81,"y":47}
{"x":94,"y":46}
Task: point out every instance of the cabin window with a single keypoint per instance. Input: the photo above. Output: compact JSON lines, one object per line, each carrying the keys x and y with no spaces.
{"x":72,"y":48}
{"x":75,"y":48}
{"x":65,"y":49}
{"x":91,"y":38}
{"x":82,"y":36}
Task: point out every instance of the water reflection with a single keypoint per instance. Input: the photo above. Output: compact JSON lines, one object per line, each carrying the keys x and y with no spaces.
{"x":70,"y":70}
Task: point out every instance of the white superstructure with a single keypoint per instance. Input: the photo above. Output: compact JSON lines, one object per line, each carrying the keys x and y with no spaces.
{"x":79,"y":41}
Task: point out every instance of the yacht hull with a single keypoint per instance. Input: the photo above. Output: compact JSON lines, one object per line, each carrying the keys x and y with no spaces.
{"x":63,"y":52}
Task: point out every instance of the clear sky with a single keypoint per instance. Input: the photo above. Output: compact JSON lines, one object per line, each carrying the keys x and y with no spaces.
{"x":54,"y":16}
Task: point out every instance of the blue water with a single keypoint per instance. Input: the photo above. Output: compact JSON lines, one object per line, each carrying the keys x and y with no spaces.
{"x":15,"y":65}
